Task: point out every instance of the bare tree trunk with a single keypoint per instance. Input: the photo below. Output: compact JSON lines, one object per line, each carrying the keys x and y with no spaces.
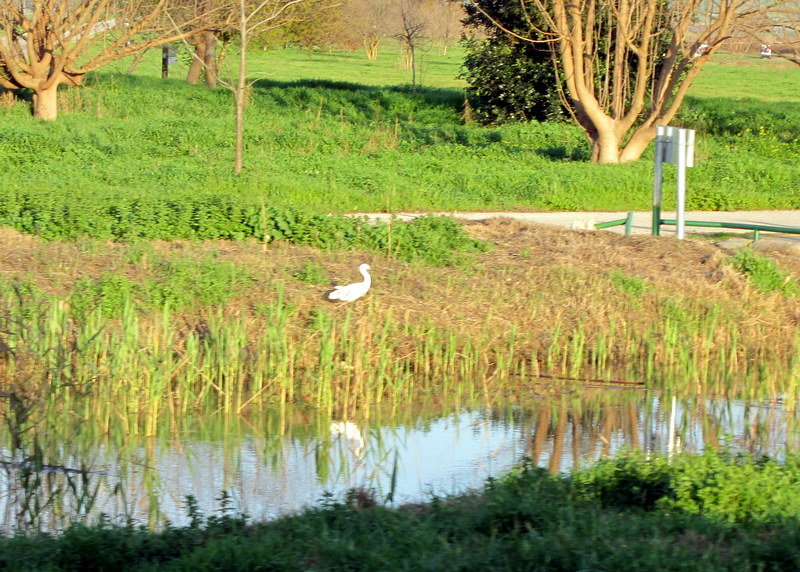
{"x":210,"y":58}
{"x":407,"y":56}
{"x":413,"y":60}
{"x":45,"y":103}
{"x":637,"y":144}
{"x":605,"y":146}
{"x":371,"y":45}
{"x":196,"y":67}
{"x":239,"y":96}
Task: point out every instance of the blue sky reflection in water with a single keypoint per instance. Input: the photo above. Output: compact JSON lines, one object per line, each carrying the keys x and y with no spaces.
{"x":269,"y":474}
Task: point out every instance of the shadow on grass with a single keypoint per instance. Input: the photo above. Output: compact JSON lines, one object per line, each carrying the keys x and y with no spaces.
{"x":561,"y":153}
{"x":430,"y":95}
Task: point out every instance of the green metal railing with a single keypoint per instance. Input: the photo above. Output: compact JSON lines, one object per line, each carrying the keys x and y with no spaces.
{"x":627,"y":221}
{"x":756,"y":228}
{"x":658,"y":222}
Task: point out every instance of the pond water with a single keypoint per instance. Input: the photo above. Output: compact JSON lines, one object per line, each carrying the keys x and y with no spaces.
{"x":272,"y":464}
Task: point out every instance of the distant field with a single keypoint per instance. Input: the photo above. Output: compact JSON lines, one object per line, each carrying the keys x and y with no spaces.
{"x":335,"y":132}
{"x":748,"y":76}
{"x":433,"y":69}
{"x":727,"y":75}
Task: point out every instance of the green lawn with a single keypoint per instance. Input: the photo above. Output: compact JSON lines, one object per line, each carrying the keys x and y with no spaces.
{"x":333,"y":132}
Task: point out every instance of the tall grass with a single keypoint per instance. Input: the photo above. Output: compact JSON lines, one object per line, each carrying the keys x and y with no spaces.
{"x":139,"y":367}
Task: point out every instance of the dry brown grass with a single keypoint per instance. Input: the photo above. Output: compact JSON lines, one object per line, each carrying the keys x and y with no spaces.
{"x":540,"y":282}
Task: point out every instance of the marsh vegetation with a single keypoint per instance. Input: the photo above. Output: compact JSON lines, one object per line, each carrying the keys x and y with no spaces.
{"x":138,"y":328}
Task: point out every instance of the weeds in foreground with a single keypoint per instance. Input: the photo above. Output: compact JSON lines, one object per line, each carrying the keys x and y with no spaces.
{"x":764,"y":273}
{"x":685,"y":519}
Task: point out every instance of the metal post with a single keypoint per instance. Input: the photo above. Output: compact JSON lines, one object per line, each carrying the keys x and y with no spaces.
{"x":680,"y":189}
{"x":164,"y":61}
{"x":658,"y":172}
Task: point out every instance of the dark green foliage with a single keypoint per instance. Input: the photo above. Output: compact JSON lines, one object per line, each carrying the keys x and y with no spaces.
{"x":185,"y":283}
{"x":694,"y":512}
{"x":509,"y":79}
{"x":109,"y":294}
{"x":627,"y":483}
{"x":176,"y":283}
{"x":186,"y":215}
{"x":312,"y":273}
{"x":633,"y":286}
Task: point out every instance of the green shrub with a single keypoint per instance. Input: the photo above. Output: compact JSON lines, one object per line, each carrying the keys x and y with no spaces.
{"x":109,"y":294}
{"x":764,"y":273}
{"x":312,"y":273}
{"x":186,"y":283}
{"x":633,"y":286}
{"x":176,"y":283}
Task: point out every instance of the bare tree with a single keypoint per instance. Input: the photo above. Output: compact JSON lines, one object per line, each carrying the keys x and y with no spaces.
{"x":369,"y":19}
{"x":444,"y":22}
{"x":412,"y":26}
{"x":250,"y":18}
{"x":46,"y":43}
{"x":653,"y":51}
{"x":214,"y":20}
{"x":779,"y":30}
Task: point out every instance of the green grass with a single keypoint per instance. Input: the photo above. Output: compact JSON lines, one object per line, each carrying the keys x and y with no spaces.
{"x":710,"y":512}
{"x":764,"y":273}
{"x":773,"y":80}
{"x":316,"y":142}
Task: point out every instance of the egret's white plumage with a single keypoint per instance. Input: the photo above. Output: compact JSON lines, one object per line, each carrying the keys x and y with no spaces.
{"x":352,"y":291}
{"x":351,"y":433}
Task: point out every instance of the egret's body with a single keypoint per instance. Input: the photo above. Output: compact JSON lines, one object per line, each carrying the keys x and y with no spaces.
{"x":351,"y":433}
{"x":352,"y":291}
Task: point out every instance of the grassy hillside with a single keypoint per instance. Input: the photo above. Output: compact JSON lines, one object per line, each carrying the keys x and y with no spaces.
{"x":334,"y":132}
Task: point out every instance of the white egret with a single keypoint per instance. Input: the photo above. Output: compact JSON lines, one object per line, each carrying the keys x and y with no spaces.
{"x":352,"y":291}
{"x":351,"y":433}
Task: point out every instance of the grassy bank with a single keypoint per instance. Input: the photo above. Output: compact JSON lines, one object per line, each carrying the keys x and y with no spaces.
{"x":130,"y":333}
{"x":711,"y":512}
{"x":315,"y":142}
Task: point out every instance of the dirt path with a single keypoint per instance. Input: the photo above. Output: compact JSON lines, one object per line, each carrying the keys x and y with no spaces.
{"x":642,"y":221}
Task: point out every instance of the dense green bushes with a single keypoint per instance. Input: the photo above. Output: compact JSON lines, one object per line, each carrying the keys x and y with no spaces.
{"x":212,"y":216}
{"x":706,"y":512}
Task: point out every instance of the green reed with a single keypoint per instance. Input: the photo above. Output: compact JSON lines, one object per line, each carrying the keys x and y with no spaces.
{"x":140,"y":368}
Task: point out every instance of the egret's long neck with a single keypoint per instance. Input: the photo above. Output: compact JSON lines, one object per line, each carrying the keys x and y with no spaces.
{"x":365,"y":274}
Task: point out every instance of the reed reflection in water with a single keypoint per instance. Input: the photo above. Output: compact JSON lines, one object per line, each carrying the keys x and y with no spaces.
{"x":270,"y":468}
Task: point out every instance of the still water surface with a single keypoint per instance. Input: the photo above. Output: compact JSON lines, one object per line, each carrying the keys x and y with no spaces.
{"x":268,"y":473}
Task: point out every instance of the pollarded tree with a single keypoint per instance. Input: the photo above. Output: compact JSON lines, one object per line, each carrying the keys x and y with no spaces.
{"x":213,"y":19}
{"x":625,"y":65}
{"x":46,"y":43}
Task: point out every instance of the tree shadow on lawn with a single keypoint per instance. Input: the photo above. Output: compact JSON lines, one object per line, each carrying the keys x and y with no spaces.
{"x":355,"y":92}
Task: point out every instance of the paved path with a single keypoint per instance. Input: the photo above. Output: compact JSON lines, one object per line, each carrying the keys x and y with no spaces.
{"x":642,"y":221}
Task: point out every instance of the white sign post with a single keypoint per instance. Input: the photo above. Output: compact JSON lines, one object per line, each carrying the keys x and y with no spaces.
{"x":674,"y":146}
